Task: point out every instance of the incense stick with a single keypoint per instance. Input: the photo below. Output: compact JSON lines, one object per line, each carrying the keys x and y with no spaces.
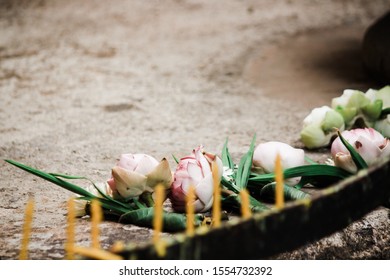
{"x":28,"y":216}
{"x":70,"y":231}
{"x":279,"y":190}
{"x":217,"y":196}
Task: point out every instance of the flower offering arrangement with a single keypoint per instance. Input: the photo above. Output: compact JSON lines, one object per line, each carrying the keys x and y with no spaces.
{"x":206,"y":188}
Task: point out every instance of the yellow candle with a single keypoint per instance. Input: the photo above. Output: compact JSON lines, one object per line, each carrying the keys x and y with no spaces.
{"x":96,"y":218}
{"x":245,"y":206}
{"x":279,"y":191}
{"x":118,"y":246}
{"x":217,"y":196}
{"x":96,"y":253}
{"x":158,"y":219}
{"x":28,"y":216}
{"x":69,"y":245}
{"x":190,"y":211}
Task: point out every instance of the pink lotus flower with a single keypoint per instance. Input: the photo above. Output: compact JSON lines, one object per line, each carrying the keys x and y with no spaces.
{"x":195,"y":170}
{"x":368,"y":142}
{"x":138,"y":173}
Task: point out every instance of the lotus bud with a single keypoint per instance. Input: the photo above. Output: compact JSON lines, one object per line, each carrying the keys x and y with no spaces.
{"x":80,"y":204}
{"x":319,"y":127}
{"x":265,"y":154}
{"x":368,"y":142}
{"x":383,"y":126}
{"x":383,"y":94}
{"x":354,"y":105}
{"x":138,"y":173}
{"x":195,"y":170}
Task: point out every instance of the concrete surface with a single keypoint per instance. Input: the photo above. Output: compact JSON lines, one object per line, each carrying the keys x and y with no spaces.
{"x":82,"y":82}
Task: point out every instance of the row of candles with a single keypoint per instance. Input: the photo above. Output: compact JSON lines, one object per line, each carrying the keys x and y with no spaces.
{"x":95,"y":250}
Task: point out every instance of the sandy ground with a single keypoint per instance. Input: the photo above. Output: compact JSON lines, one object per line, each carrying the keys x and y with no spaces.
{"x":82,"y":82}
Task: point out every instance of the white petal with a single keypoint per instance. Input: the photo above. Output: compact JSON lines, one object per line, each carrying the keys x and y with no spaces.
{"x":204,"y":189}
{"x":345,"y":161}
{"x":127,"y":161}
{"x":128,"y":183}
{"x":146,"y":164}
{"x":195,"y":172}
{"x":206,"y":169}
{"x":161,"y":174}
{"x":316,"y":116}
{"x":199,"y":206}
{"x":367,"y":149}
{"x":265,"y":156}
{"x":385,"y":149}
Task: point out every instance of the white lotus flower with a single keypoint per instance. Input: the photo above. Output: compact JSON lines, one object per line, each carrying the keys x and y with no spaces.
{"x":368,"y":142}
{"x":319,"y":127}
{"x":354,"y":105}
{"x":265,"y":154}
{"x":383,"y":126}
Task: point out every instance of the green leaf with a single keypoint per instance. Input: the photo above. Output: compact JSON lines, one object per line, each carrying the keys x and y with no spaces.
{"x":290,"y":193}
{"x":245,"y":165}
{"x":138,"y":203}
{"x":309,"y":160}
{"x":233,"y":202}
{"x":66,"y":185}
{"x":304,"y":170}
{"x":175,"y":158}
{"x":172,"y":222}
{"x":253,"y":201}
{"x":384,"y":113}
{"x":356,"y":157}
{"x":109,"y":205}
{"x":226,"y":157}
{"x":70,"y":177}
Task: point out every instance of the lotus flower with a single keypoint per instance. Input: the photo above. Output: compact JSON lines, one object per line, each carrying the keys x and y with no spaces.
{"x":195,"y":170}
{"x":80,"y":204}
{"x":368,"y":142}
{"x":319,"y":127}
{"x":354,"y":105}
{"x":138,"y":173}
{"x":265,"y":155}
{"x":383,"y":126}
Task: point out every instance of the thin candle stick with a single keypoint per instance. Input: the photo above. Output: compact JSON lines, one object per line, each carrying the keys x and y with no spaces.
{"x":190,"y":211}
{"x":96,"y":253}
{"x":279,"y":190}
{"x":96,"y":218}
{"x":70,"y":232}
{"x":245,"y":206}
{"x":217,"y":196}
{"x":28,"y":216}
{"x":158,"y":219}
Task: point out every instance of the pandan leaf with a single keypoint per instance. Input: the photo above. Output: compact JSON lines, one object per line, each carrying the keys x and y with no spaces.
{"x":176,"y":159}
{"x":172,"y":222}
{"x":70,"y":177}
{"x":290,"y":193}
{"x":226,"y":157}
{"x":233,"y":202}
{"x":48,"y":177}
{"x":245,"y":165}
{"x":301,"y":171}
{"x":356,"y":157}
{"x":109,"y":205}
{"x":309,"y":160}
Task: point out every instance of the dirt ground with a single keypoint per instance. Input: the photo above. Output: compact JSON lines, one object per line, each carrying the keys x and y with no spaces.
{"x":82,"y":82}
